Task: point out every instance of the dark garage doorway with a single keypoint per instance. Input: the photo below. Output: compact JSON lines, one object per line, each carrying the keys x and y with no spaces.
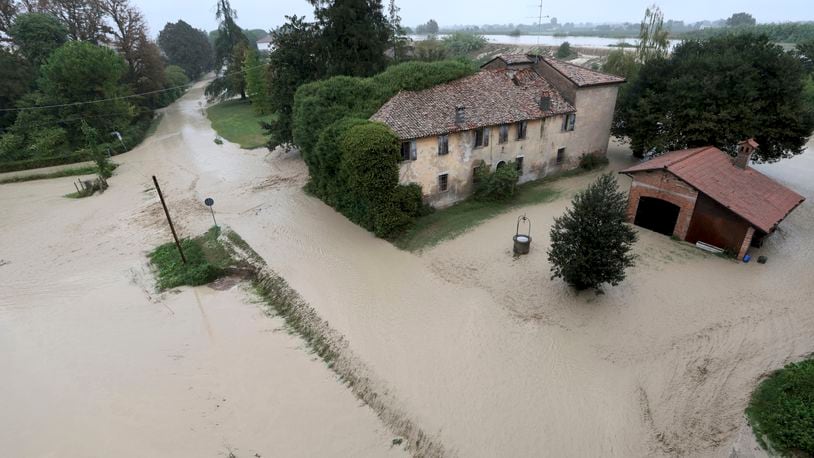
{"x":657,"y":215}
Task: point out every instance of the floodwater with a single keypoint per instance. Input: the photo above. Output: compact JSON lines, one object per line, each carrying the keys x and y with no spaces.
{"x":481,"y":350}
{"x":96,"y":364}
{"x":551,"y":40}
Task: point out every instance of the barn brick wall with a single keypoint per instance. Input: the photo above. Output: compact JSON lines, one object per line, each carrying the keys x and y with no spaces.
{"x":663,"y":185}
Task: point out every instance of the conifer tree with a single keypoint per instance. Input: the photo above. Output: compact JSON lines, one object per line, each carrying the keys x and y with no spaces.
{"x":590,"y":243}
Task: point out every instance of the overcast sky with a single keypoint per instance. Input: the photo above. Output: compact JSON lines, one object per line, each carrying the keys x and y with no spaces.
{"x":266,"y":14}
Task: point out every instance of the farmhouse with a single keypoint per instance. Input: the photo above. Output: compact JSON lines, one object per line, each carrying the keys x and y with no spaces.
{"x":536,"y":113}
{"x":703,"y":194}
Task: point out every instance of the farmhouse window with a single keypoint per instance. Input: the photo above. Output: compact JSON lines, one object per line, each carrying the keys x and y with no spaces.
{"x":522,"y":127}
{"x":560,"y":155}
{"x":443,"y":144}
{"x":569,"y":122}
{"x":481,"y":137}
{"x":443,"y":182}
{"x":408,"y":151}
{"x":504,"y":134}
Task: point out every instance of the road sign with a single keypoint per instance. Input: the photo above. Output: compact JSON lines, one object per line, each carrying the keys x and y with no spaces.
{"x":209,"y":202}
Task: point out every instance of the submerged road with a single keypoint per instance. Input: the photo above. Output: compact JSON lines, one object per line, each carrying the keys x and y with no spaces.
{"x":482,"y":351}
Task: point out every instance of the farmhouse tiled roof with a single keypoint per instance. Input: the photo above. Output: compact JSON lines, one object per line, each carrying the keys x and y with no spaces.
{"x":582,"y":76}
{"x":513,"y":59}
{"x":489,"y":97}
{"x":758,"y":199}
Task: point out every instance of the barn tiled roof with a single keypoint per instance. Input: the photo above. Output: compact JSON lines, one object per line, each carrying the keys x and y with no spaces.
{"x":582,"y":76}
{"x":489,"y":97}
{"x":758,"y":199}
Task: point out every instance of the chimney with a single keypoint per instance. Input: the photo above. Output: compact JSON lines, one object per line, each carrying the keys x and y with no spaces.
{"x":545,"y":102}
{"x":745,"y":150}
{"x":460,"y":115}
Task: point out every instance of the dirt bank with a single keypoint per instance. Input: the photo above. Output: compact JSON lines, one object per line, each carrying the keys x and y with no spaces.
{"x":96,"y":364}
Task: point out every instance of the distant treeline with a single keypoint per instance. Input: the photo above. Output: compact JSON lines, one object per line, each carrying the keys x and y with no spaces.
{"x":785,"y":32}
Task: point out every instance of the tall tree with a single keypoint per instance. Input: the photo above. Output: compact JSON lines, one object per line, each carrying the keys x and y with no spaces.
{"x":256,"y":82}
{"x":145,"y":67}
{"x":653,"y":41}
{"x":718,"y":92}
{"x":16,"y":77}
{"x":8,"y":10}
{"x":231,"y":45}
{"x":398,"y":40}
{"x":590,"y":243}
{"x":294,"y":60}
{"x":354,"y":36}
{"x":82,"y":71}
{"x":85,"y":19}
{"x":37,"y":35}
{"x":741,"y":19}
{"x":187,"y":47}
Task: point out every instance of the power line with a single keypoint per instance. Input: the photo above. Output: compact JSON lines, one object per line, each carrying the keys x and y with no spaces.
{"x":124,"y":97}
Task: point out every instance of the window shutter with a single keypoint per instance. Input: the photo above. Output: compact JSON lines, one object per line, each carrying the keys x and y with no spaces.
{"x":486,"y":136}
{"x":572,"y":122}
{"x":413,"y":152}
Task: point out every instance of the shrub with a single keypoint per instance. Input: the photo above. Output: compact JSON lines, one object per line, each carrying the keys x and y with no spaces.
{"x":590,"y":243}
{"x":409,"y":200}
{"x":564,"y":51}
{"x":782,"y":410}
{"x":499,"y":185}
{"x":370,"y":161}
{"x":592,"y":161}
{"x":460,"y":44}
{"x":48,"y":142}
{"x":325,"y":159}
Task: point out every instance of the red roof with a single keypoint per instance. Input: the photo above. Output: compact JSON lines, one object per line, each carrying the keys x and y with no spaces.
{"x":758,"y":199}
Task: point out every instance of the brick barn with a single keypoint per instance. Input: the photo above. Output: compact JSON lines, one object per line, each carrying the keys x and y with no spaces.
{"x":703,"y":194}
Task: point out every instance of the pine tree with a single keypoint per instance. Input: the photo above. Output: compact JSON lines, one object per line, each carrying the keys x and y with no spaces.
{"x":590,"y":243}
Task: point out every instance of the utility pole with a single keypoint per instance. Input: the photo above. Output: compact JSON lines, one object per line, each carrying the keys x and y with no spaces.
{"x":169,"y":220}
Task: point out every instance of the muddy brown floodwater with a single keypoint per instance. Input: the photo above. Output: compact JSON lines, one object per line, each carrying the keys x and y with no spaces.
{"x":481,"y":350}
{"x":95,"y":364}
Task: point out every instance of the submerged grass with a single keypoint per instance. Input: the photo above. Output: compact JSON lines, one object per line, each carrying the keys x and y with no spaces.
{"x":236,"y":121}
{"x":781,"y":411}
{"x":207,"y":260}
{"x":75,"y":171}
{"x":448,"y":223}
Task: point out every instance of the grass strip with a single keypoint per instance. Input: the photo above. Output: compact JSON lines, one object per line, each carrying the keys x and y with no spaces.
{"x":237,"y":122}
{"x":207,"y":260}
{"x":76,"y":171}
{"x":781,"y":410}
{"x":450,"y":222}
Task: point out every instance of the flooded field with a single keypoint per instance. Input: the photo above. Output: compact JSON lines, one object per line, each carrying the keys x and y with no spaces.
{"x":482,"y":350}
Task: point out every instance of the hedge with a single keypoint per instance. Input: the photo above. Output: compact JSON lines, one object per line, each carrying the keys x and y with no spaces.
{"x":362,"y":182}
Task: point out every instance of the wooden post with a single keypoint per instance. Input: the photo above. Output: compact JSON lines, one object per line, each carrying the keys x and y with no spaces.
{"x":169,"y":220}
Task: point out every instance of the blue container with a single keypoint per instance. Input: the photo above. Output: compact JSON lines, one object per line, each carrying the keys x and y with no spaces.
{"x":747,"y":258}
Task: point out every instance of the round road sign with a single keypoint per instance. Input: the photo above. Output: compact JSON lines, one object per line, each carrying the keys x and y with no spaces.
{"x":209,"y":202}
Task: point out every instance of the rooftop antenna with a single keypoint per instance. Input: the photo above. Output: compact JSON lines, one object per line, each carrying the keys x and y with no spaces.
{"x":539,"y":18}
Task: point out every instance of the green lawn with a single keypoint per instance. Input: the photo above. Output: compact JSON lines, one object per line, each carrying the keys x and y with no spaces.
{"x":781,"y":411}
{"x":236,"y":121}
{"x":207,"y":260}
{"x":453,"y":221}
